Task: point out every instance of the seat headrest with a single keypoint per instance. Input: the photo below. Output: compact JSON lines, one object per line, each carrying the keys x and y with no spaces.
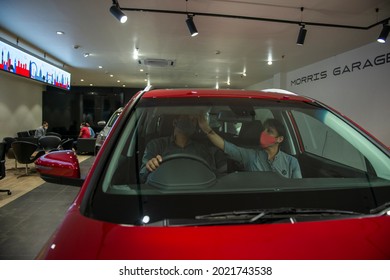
{"x":250,"y":133}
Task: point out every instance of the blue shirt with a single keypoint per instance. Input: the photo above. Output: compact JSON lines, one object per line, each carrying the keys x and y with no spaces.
{"x":92,"y":132}
{"x":257,"y":160}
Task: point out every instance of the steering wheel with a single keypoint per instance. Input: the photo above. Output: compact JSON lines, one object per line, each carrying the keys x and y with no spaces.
{"x":182,"y":171}
{"x":184,"y":156}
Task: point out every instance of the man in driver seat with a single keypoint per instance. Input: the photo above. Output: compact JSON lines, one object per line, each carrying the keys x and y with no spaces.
{"x":178,"y":143}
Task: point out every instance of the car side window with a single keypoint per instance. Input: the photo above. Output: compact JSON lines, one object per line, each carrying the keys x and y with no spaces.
{"x":321,"y":140}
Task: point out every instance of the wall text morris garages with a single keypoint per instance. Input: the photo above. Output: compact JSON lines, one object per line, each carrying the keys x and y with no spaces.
{"x":341,"y":70}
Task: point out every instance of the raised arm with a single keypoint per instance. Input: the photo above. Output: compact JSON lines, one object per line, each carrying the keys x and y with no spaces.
{"x":217,"y":140}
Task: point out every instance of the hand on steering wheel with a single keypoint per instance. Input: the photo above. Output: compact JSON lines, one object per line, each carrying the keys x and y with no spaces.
{"x":154,"y":163}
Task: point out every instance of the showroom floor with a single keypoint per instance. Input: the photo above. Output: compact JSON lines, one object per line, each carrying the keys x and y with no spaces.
{"x":27,"y":221}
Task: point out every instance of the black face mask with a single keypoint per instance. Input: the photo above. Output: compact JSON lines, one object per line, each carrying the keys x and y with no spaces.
{"x":186,"y":125}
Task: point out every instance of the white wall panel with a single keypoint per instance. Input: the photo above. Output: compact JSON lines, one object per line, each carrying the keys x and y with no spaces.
{"x":20,"y":104}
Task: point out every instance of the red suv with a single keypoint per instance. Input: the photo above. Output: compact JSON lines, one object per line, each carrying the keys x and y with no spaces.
{"x":226,"y":174}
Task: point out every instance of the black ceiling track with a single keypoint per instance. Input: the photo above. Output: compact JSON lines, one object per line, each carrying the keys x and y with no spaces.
{"x":384,"y":21}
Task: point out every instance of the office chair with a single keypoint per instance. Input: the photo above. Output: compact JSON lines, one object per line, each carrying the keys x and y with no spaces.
{"x":9,"y":152}
{"x":26,"y":152}
{"x":66,"y":144}
{"x":2,"y":165}
{"x":49,"y":142}
{"x":51,"y":133}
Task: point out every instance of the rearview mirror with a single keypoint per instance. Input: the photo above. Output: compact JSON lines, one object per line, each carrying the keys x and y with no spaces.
{"x":60,"y":167}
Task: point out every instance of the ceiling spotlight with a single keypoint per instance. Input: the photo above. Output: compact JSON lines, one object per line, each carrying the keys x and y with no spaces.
{"x":117,"y":12}
{"x":384,"y":33}
{"x":191,"y":25}
{"x":136,"y":53}
{"x":86,"y":54}
{"x":301,"y":35}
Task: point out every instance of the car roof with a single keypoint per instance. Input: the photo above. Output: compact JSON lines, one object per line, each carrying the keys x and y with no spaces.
{"x":225,"y":93}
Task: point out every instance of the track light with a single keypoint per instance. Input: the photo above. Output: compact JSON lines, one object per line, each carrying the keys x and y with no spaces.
{"x":301,"y":35}
{"x":191,"y":26}
{"x":117,"y":12}
{"x":383,"y":35}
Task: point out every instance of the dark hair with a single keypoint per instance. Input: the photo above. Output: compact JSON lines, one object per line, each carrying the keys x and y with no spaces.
{"x":277,"y":125}
{"x":45,"y":122}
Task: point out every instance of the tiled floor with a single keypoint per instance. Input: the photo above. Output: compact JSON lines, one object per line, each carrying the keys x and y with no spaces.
{"x":27,"y":222}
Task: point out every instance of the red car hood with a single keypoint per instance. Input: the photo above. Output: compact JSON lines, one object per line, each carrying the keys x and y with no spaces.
{"x":80,"y":237}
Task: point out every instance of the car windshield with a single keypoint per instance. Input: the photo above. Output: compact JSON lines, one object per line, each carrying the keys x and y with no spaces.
{"x":323,"y":161}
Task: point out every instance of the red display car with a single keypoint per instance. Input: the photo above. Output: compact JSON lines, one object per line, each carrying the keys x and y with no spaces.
{"x":324,"y":192}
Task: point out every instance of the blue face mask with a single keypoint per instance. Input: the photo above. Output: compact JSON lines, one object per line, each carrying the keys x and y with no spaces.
{"x":186,"y":125}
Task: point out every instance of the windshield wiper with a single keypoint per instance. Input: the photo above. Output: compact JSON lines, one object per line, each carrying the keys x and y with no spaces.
{"x":380,"y":208}
{"x":254,"y":215}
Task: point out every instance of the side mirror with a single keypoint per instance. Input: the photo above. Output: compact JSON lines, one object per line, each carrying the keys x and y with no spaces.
{"x":101,"y":123}
{"x":60,"y":167}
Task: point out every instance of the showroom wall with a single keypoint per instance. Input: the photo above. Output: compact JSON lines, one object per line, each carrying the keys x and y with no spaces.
{"x":20,"y":104}
{"x":356,"y":82}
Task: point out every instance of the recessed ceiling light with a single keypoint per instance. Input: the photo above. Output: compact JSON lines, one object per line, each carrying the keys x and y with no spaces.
{"x":86,"y":54}
{"x":82,"y":80}
{"x":60,"y":32}
{"x":136,"y":53}
{"x":100,"y":67}
{"x":141,"y":70}
{"x":91,"y":84}
{"x":118,"y":81}
{"x":111,"y":75}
